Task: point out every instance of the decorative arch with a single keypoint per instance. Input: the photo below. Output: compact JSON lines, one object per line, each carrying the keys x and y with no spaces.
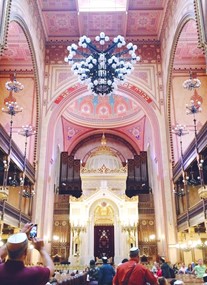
{"x":56,"y":112}
{"x":20,"y":21}
{"x":183,"y":22}
{"x":113,"y":135}
{"x":110,"y":202}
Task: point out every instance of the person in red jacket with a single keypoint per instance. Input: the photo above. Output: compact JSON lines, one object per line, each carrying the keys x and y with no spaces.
{"x":133,"y":273}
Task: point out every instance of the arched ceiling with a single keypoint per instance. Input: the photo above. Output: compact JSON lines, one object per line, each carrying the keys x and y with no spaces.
{"x":107,"y":111}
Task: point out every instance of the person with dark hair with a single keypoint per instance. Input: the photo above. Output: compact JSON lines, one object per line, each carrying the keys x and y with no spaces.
{"x":167,"y":271}
{"x":162,"y":281}
{"x":93,"y":273}
{"x":172,"y":281}
{"x":106,"y":273}
{"x":14,"y":271}
{"x":134,"y":273}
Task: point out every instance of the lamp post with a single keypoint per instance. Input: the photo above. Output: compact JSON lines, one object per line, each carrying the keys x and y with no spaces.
{"x":26,"y":191}
{"x":180,"y":131}
{"x":192,"y":109}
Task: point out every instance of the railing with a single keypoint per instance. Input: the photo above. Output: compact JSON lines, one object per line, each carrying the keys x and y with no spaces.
{"x":16,"y":155}
{"x":14,"y":212}
{"x":194,"y":211}
{"x":190,"y":154}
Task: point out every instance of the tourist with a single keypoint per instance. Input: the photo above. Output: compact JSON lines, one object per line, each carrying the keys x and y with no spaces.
{"x":200,"y":269}
{"x":133,"y":273}
{"x":14,"y":271}
{"x":106,"y":273}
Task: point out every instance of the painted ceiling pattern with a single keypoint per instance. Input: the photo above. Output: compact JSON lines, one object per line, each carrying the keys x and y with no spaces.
{"x":129,"y":18}
{"x":188,"y":55}
{"x":103,"y":108}
{"x":17,"y":51}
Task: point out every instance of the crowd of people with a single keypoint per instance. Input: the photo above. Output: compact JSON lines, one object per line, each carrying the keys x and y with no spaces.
{"x":129,"y":272}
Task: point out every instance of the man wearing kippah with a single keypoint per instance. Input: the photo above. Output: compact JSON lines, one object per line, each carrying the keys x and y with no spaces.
{"x":106,"y":273}
{"x":14,"y":271}
{"x":133,"y":273}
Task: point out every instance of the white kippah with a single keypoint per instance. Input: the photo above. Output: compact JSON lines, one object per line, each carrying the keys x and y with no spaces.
{"x":17,"y":238}
{"x":178,"y":282}
{"x":133,"y":249}
{"x":17,"y":242}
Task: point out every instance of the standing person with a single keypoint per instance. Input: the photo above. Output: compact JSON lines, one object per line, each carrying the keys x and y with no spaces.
{"x":93,"y":273}
{"x":200,"y":269}
{"x":14,"y":271}
{"x":133,"y":273}
{"x":167,"y":271}
{"x":106,"y":273}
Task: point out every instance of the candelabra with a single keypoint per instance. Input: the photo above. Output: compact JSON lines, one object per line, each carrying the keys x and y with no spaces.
{"x":11,"y":109}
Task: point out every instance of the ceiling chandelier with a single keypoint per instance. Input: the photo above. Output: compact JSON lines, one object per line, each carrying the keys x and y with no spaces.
{"x":192,"y":83}
{"x":100,"y":66}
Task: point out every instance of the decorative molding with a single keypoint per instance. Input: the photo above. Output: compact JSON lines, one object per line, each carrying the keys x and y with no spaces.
{"x":5,"y":8}
{"x":201,"y":22}
{"x":169,"y":81}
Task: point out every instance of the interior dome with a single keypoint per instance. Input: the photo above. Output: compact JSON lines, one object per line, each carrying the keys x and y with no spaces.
{"x":103,"y":156}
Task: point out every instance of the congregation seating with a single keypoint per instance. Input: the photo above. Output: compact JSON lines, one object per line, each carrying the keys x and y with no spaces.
{"x":188,"y":279}
{"x":68,"y":279}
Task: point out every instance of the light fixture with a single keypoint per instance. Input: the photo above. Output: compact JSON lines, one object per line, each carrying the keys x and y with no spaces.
{"x":180,"y":130}
{"x":192,"y":83}
{"x":14,"y":85}
{"x":100,"y":66}
{"x":26,"y":192}
{"x":11,"y":108}
{"x":193,"y":109}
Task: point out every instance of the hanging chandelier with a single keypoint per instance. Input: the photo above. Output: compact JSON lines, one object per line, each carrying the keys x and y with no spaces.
{"x":192,"y":83}
{"x":100,"y":66}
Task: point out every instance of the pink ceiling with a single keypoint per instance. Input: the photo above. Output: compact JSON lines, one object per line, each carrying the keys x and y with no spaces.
{"x":67,"y":19}
{"x":188,"y":55}
{"x":141,"y":20}
{"x":92,"y":111}
{"x":17,"y":52}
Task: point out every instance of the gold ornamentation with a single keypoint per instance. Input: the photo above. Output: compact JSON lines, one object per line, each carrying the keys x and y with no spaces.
{"x":202,"y":192}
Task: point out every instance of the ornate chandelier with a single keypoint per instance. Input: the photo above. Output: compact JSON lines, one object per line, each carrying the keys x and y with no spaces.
{"x":192,"y":83}
{"x":100,"y":66}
